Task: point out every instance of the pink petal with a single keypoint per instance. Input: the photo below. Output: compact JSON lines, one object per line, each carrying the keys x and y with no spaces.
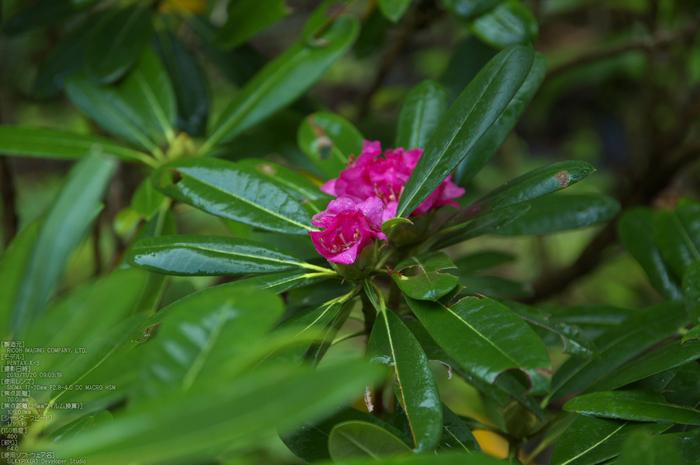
{"x":329,"y":188}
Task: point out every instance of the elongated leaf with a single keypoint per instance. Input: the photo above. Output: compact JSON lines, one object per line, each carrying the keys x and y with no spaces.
{"x":469,"y":9}
{"x":487,"y":224}
{"x":204,"y":334}
{"x":456,"y":437}
{"x":210,"y":256}
{"x":359,"y":439}
{"x":425,"y":277}
{"x":677,"y":233}
{"x":188,"y":83}
{"x":392,"y":343}
{"x":483,"y":336}
{"x":507,"y":24}
{"x":494,"y":138}
{"x":686,"y":443}
{"x":481,"y":261}
{"x":443,"y":459}
{"x":51,"y":143}
{"x":146,"y":200}
{"x":636,"y":231}
{"x":75,"y":428}
{"x":641,"y":448}
{"x":634,"y":406}
{"x":232,"y":191}
{"x":665,"y":358}
{"x":13,"y":265}
{"x":66,"y":225}
{"x":594,"y":320}
{"x":420,"y":115}
{"x":496,"y":286}
{"x":530,"y":186}
{"x":589,"y":441}
{"x":39,"y":14}
{"x":561,"y":213}
{"x":194,"y":425}
{"x":691,"y":289}
{"x":309,"y":323}
{"x":282,"y":81}
{"x":118,"y":42}
{"x":476,"y":110}
{"x":394,"y":9}
{"x":309,"y":442}
{"x":619,"y":345}
{"x":248,"y":17}
{"x":329,"y":140}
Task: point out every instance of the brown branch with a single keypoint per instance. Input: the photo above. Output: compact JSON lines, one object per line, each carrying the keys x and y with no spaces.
{"x":7,"y":190}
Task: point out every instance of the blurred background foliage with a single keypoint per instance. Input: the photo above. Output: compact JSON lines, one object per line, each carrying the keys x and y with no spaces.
{"x":622,"y":93}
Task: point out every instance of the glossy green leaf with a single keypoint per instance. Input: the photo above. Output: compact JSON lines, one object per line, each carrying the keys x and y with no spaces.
{"x":13,"y":265}
{"x":211,"y":256}
{"x":310,"y":323}
{"x":118,"y":43}
{"x":494,"y":138}
{"x":52,"y":143}
{"x":618,"y":345}
{"x":634,"y":406}
{"x":594,"y":320}
{"x":641,"y":448}
{"x":394,"y":9}
{"x":392,"y":343}
{"x":483,"y":336}
{"x":359,"y":439}
{"x":562,"y":213}
{"x":469,"y":9}
{"x":329,"y":140}
{"x":197,"y":424}
{"x":636,"y":232}
{"x":232,"y":191}
{"x":686,"y":443}
{"x":456,"y":437}
{"x":39,"y":14}
{"x":669,"y":356}
{"x":282,"y":81}
{"x":509,"y":23}
{"x":65,"y":227}
{"x":248,"y":17}
{"x":204,"y":334}
{"x":530,"y":186}
{"x":487,"y":224}
{"x":420,"y":115}
{"x":677,"y":234}
{"x":75,"y":428}
{"x":188,"y":83}
{"x":309,"y":442}
{"x":481,"y":261}
{"x":691,"y":289}
{"x":589,"y":441}
{"x":465,"y":123}
{"x":426,"y":277}
{"x":497,"y":286}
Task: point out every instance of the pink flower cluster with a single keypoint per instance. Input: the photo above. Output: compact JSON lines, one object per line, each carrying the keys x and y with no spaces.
{"x":371,"y":185}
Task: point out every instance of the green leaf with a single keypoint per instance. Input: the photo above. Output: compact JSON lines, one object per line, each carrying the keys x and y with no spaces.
{"x":496,"y":286}
{"x":394,"y":9}
{"x":691,"y":289}
{"x":75,"y":428}
{"x":634,"y":406}
{"x":456,"y":437}
{"x":641,"y":448}
{"x":669,"y":356}
{"x":636,"y":231}
{"x":589,"y":441}
{"x":282,"y":81}
{"x":425,"y":277}
{"x":118,"y":42}
{"x":188,"y":83}
{"x":420,"y":115}
{"x":248,"y":17}
{"x":594,"y":320}
{"x":467,"y":332}
{"x":487,"y":224}
{"x":687,"y":443}
{"x":476,"y":110}
{"x":329,"y":140}
{"x":618,"y":345}
{"x":39,"y":14}
{"x":309,"y":442}
{"x":13,"y":265}
{"x":51,"y":143}
{"x":494,"y":138}
{"x":232,"y":191}
{"x":392,"y":343}
{"x":482,"y":261}
{"x":677,"y":233}
{"x":67,"y":223}
{"x":210,"y":256}
{"x":359,"y":439}
{"x":204,"y":335}
{"x":562,"y":213}
{"x":530,"y":186}
{"x":444,"y":459}
{"x":146,"y":200}
{"x":469,"y":9}
{"x":507,"y":24}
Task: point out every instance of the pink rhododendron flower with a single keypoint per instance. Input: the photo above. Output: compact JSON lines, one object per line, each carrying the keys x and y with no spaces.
{"x":350,"y":226}
{"x":371,"y":175}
